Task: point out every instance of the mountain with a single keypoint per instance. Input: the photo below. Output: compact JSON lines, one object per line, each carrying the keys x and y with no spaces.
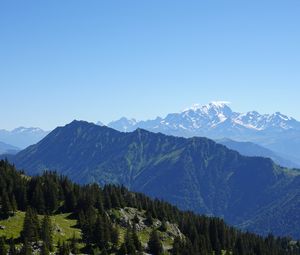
{"x":255,"y":150}
{"x":8,"y":149}
{"x":195,"y":174}
{"x":22,"y":137}
{"x":89,"y":219}
{"x":217,"y":120}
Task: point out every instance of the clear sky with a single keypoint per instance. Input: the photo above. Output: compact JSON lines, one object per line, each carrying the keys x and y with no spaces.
{"x":100,"y":60}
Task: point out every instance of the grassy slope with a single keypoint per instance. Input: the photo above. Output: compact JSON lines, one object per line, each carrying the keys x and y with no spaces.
{"x":64,"y":228}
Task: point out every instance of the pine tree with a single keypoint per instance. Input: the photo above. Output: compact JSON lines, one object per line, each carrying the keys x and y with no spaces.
{"x":74,"y":245}
{"x":46,"y":232}
{"x":44,"y":249}
{"x":123,"y":249}
{"x":5,"y":206}
{"x":136,"y":241}
{"x":129,"y":242}
{"x":163,"y":227}
{"x":154,"y":244}
{"x":38,"y":200}
{"x":104,"y":252}
{"x":26,"y":249}
{"x":64,"y":249}
{"x":177,"y":246}
{"x":12,"y":247}
{"x":115,"y":236}
{"x":239,"y":247}
{"x":31,"y":228}
{"x":3,"y":249}
{"x":14,"y":206}
{"x":98,"y":233}
{"x":149,"y":219}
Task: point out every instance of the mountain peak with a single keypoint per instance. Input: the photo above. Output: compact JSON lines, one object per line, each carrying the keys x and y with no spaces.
{"x":216,"y":105}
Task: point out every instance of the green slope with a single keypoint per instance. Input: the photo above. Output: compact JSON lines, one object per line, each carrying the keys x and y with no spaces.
{"x":64,"y":227}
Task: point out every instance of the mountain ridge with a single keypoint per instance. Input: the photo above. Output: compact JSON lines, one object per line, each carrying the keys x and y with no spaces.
{"x":217,"y":120}
{"x":195,"y":174}
{"x":22,"y":137}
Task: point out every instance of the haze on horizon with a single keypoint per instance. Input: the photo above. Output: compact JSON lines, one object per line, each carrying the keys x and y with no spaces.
{"x":99,"y":61}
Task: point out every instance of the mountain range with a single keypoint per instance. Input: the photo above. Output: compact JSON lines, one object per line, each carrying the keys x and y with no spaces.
{"x":254,"y":150}
{"x":8,"y":149}
{"x":196,"y":173}
{"x":217,"y":120}
{"x":22,"y":137}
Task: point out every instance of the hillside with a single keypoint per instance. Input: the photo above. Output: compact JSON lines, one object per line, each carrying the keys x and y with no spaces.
{"x":195,"y":174}
{"x":64,"y":217}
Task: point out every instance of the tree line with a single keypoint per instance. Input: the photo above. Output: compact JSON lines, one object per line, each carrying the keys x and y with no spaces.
{"x":51,"y":194}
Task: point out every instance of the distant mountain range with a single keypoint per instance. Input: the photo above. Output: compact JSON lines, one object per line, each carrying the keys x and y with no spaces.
{"x":217,"y":120}
{"x":8,"y":149}
{"x":22,"y":137}
{"x":255,"y":150}
{"x":196,"y":173}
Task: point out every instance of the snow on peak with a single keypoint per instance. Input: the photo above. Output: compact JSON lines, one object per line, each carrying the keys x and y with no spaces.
{"x":212,"y":105}
{"x":27,"y":130}
{"x":219,"y":104}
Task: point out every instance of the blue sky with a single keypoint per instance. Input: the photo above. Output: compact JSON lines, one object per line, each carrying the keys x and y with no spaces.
{"x":100,"y":60}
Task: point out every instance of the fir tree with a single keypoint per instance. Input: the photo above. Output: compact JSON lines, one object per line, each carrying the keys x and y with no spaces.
{"x":115,"y":236}
{"x":12,"y":247}
{"x":64,"y":249}
{"x":46,"y":232}
{"x":31,"y":228}
{"x":123,"y":249}
{"x":3,"y":249}
{"x":154,"y":244}
{"x":129,"y":242}
{"x":136,"y":241}
{"x":74,"y":245}
{"x":5,"y":206}
{"x":163,"y":227}
{"x":26,"y":248}
{"x":45,"y":249}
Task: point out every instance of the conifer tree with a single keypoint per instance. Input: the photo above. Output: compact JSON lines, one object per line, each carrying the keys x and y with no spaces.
{"x":163,"y":227}
{"x":12,"y":247}
{"x":129,"y":242}
{"x":98,"y":233}
{"x":46,"y":232}
{"x":115,"y":236}
{"x":5,"y":206}
{"x":31,"y":228}
{"x":14,"y":206}
{"x":3,"y":249}
{"x":64,"y":249}
{"x":136,"y":241}
{"x":154,"y":244}
{"x":38,"y":201}
{"x":26,"y":248}
{"x":74,"y":245}
{"x":44,"y":249}
{"x":149,"y":219}
{"x":123,"y":249}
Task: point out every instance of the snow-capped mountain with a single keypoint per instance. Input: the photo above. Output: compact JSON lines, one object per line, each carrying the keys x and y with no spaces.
{"x":217,"y":120}
{"x":124,"y":124}
{"x":22,"y":137}
{"x":209,"y":118}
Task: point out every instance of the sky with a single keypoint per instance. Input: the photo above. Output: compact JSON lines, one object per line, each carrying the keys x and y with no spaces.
{"x":101,"y":60}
